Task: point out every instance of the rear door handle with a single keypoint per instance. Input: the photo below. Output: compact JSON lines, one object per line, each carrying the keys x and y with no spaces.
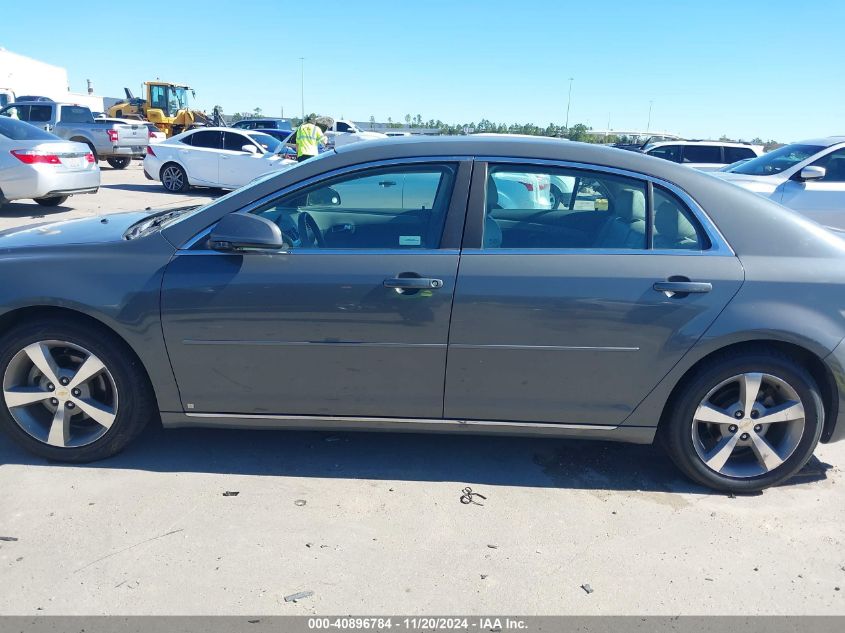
{"x":413,"y":283}
{"x":683,"y":287}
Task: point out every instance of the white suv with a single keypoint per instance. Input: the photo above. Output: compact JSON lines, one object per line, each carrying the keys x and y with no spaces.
{"x":808,"y":176}
{"x":703,"y":155}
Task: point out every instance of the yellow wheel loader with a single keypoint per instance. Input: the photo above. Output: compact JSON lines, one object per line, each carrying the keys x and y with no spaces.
{"x":165,"y":105}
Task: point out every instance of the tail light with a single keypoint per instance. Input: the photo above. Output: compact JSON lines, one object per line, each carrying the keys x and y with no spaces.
{"x":151,"y":135}
{"x":32,"y":157}
{"x":528,"y":186}
{"x":112,"y":135}
{"x":150,"y":151}
{"x":89,"y":157}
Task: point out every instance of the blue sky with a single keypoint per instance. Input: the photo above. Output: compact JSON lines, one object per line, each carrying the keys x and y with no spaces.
{"x":774,"y":69}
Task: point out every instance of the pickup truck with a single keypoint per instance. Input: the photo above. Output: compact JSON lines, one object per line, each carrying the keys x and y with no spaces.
{"x":117,"y":143}
{"x":345,"y":132}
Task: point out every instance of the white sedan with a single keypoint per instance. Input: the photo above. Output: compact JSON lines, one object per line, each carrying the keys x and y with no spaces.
{"x":214,"y":157}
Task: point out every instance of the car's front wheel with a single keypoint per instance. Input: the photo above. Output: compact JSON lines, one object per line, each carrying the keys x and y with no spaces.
{"x":744,"y":422}
{"x":174,"y":178}
{"x":71,"y":392}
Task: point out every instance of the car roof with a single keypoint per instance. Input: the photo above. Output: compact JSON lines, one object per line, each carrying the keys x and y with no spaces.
{"x":702,"y":142}
{"x":826,"y":141}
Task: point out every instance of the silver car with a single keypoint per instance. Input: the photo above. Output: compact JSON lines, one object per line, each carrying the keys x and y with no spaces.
{"x":808,"y":177}
{"x":39,"y":165}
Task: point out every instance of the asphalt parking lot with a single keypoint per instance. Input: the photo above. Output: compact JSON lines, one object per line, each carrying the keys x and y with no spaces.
{"x":373,"y":523}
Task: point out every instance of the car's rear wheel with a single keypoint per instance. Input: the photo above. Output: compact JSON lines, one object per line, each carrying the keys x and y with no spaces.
{"x":71,"y":392}
{"x":51,"y":202}
{"x":745,"y":422}
{"x":118,"y":163}
{"x":174,"y":178}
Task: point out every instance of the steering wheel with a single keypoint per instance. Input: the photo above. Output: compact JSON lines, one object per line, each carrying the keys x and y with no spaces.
{"x":310,"y":232}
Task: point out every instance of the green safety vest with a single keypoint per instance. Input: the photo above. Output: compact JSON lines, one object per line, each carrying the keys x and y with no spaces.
{"x":308,"y":136}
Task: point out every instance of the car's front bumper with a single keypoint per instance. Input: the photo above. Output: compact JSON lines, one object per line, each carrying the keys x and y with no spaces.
{"x":834,"y":430}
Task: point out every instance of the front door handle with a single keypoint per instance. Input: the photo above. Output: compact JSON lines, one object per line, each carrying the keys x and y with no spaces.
{"x":683,"y":287}
{"x":413,"y":283}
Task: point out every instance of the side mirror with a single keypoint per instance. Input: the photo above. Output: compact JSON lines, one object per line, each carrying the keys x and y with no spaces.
{"x":249,"y":149}
{"x":812,"y":172}
{"x":244,"y":231}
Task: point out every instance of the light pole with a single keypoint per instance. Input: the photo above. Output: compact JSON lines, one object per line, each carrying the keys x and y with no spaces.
{"x":302,"y":84}
{"x":569,"y":103}
{"x":648,"y":125}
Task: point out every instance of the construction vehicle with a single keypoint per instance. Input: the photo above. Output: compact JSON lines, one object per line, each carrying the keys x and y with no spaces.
{"x":166,"y":105}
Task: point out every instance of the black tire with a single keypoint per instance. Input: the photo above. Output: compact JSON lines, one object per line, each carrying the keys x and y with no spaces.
{"x":90,"y":147}
{"x":119,"y":163}
{"x":136,"y":402}
{"x":676,"y":430}
{"x":51,"y":202}
{"x":177,"y":184}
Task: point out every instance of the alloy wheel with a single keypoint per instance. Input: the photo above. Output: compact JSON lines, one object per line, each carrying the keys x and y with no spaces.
{"x":172,"y":178}
{"x":748,"y":425}
{"x":60,"y":393}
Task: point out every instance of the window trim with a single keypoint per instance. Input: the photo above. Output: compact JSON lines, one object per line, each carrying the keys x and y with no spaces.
{"x":453,"y":228}
{"x":474,"y":225}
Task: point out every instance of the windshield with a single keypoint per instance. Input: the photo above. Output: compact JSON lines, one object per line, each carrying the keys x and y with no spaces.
{"x":266,"y":141}
{"x":20,"y":131}
{"x":777,"y":160}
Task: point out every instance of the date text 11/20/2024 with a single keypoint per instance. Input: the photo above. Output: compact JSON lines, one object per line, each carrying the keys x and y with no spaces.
{"x":418,"y":623}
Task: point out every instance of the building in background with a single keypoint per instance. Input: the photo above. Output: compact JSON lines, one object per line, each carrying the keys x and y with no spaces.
{"x":21,"y":75}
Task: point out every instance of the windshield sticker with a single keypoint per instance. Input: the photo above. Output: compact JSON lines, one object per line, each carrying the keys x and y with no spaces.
{"x":410,"y":240}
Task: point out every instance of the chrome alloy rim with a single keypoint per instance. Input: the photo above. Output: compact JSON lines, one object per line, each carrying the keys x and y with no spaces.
{"x":172,"y":179}
{"x":60,"y":393}
{"x":748,"y":425}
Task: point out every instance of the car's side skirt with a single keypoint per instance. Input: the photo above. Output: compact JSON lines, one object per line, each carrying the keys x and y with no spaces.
{"x":631,"y":434}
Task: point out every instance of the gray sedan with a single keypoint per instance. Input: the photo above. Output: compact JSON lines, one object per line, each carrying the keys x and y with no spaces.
{"x":385,"y":286}
{"x":39,"y":165}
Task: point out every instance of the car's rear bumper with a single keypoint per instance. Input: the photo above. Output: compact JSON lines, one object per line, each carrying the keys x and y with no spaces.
{"x":834,"y":430}
{"x":134,"y":151}
{"x":45,"y":182}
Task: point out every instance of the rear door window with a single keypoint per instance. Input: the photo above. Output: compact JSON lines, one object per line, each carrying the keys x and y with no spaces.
{"x":702,"y":154}
{"x":559,"y":208}
{"x":207,"y":139}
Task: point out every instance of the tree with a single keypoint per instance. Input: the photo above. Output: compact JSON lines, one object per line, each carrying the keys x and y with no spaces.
{"x":578,"y":132}
{"x":408,"y":120}
{"x":257,"y":112}
{"x":372,"y":122}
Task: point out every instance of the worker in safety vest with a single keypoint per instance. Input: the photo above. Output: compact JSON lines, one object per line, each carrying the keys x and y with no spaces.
{"x":308,"y":138}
